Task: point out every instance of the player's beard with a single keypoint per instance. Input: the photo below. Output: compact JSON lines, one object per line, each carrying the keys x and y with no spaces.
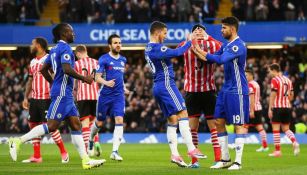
{"x":115,"y":51}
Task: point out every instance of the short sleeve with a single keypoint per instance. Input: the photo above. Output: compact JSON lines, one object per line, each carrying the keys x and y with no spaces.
{"x":66,"y":56}
{"x":274,"y":84}
{"x":48,"y":60}
{"x":30,"y":71}
{"x":251,"y":88}
{"x":101,"y":65}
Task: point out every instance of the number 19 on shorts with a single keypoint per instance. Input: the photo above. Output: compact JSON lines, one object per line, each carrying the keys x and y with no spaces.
{"x":236,"y":119}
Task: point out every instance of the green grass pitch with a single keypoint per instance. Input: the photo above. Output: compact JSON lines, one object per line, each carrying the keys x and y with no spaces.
{"x":151,"y":159}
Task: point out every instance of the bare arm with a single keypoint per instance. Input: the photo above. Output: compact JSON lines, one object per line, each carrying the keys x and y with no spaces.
{"x":25,"y":103}
{"x":100,"y":80}
{"x":45,"y":72}
{"x":272,"y":99}
{"x":291,"y":95}
{"x":67,"y":69}
{"x":252,"y":106}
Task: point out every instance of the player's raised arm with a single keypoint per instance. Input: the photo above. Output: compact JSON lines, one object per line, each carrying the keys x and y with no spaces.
{"x":227,"y":55}
{"x":165,"y":52}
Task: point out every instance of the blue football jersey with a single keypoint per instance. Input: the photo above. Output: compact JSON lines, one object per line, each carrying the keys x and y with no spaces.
{"x":62,"y":84}
{"x":233,"y":56}
{"x":159,"y":58}
{"x":112,"y":68}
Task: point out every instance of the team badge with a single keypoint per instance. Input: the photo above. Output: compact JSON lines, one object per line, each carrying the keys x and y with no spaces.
{"x":98,"y":67}
{"x":59,"y":116}
{"x":100,"y":114}
{"x":163,"y":48}
{"x":235,"y":48}
{"x":66,"y":57}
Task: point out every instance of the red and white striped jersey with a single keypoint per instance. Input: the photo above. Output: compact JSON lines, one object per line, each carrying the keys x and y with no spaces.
{"x":198,"y":75}
{"x":283,"y":86}
{"x":40,"y":86}
{"x":254,"y":89}
{"x":86,"y":91}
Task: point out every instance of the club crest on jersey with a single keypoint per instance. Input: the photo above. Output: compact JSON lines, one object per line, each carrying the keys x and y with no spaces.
{"x":122,"y":63}
{"x":163,"y":48}
{"x":235,"y":48}
{"x":66,"y":57}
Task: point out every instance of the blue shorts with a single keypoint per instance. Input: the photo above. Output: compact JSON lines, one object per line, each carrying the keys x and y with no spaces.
{"x":62,"y":107}
{"x":234,"y":108}
{"x":111,"y":106}
{"x":169,"y":98}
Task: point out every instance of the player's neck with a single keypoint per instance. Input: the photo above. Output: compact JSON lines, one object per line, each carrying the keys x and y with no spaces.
{"x":154,"y":39}
{"x":233,"y":37}
{"x":115,"y":56}
{"x":40,"y":54}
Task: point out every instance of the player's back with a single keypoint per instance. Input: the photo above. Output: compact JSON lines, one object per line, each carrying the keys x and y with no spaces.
{"x":112,"y":68}
{"x":255,"y":89}
{"x":86,"y":91}
{"x":234,"y":70}
{"x":283,"y":87}
{"x":62,"y":83}
{"x":161,"y":67}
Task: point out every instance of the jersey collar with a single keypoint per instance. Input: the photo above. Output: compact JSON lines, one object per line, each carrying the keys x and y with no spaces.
{"x":233,"y":40}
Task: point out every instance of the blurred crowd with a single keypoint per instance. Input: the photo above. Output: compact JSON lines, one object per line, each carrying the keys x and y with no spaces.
{"x":273,"y":10}
{"x":142,"y":111}
{"x":18,"y":11}
{"x":134,"y":11}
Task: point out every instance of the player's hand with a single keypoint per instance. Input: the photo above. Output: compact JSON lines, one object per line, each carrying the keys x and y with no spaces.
{"x":270,"y":114}
{"x":127,"y":92}
{"x":251,"y":114}
{"x":88,"y":79}
{"x":189,"y":37}
{"x":110,"y":83}
{"x":25,"y":104}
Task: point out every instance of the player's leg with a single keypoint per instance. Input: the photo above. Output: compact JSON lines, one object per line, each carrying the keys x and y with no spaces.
{"x":117,"y":138}
{"x":85,"y":122}
{"x":171,"y":133}
{"x":276,"y":121}
{"x":209,"y":101}
{"x":96,"y":141}
{"x":263,"y":136}
{"x":194,"y":112}
{"x":220,"y":122}
{"x":56,"y":136}
{"x":286,"y":118}
{"x":77,"y":140}
{"x":34,"y":120}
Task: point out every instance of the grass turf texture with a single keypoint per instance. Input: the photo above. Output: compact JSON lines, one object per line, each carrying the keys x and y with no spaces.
{"x":151,"y":159}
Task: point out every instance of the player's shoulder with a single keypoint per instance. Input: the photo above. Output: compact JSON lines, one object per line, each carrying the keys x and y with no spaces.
{"x":104,"y":58}
{"x":123,"y":58}
{"x":64,"y":46}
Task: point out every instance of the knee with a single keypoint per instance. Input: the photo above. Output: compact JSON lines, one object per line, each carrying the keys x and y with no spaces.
{"x":52,"y":127}
{"x":99,"y":124}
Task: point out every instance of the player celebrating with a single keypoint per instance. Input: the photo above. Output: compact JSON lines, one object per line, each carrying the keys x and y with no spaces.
{"x":280,"y":108}
{"x":39,"y":88}
{"x":255,"y":110}
{"x":200,"y":89}
{"x":86,"y":96}
{"x":166,"y":93}
{"x":111,"y":100}
{"x":61,"y":59}
{"x":232,"y":103}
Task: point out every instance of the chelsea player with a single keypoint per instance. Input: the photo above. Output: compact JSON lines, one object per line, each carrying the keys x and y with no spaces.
{"x":61,"y":59}
{"x":232,"y":105}
{"x":111,"y":100}
{"x":169,"y":98}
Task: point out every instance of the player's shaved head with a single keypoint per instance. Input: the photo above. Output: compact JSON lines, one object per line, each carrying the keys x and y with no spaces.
{"x":231,"y":21}
{"x":157,"y":26}
{"x":62,"y":31}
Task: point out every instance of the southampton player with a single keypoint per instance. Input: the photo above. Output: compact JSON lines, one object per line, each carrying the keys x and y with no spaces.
{"x":86,"y":96}
{"x":232,"y":104}
{"x":111,"y":100}
{"x":39,"y":101}
{"x":171,"y":102}
{"x":280,"y":108}
{"x":200,"y":89}
{"x":61,"y":60}
{"x":255,"y":110}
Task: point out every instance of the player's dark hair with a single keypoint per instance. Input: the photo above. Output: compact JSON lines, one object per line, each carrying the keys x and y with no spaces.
{"x":156,"y":25}
{"x":81,"y":48}
{"x":231,"y":21}
{"x":275,"y":67}
{"x":250,"y":71}
{"x":111,"y":38}
{"x":42,"y":42}
{"x":58,"y":31}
